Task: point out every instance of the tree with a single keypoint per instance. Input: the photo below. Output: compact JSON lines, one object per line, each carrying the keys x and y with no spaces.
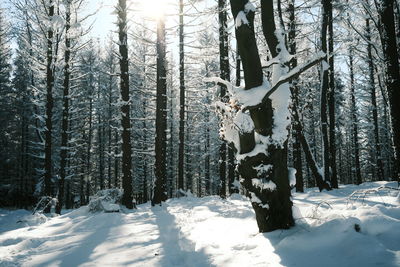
{"x":160,"y":189}
{"x":48,"y":163}
{"x":263,"y":165}
{"x":181,"y":152}
{"x":390,"y":53}
{"x":225,"y":75}
{"x":65,"y":111}
{"x":127,"y":198}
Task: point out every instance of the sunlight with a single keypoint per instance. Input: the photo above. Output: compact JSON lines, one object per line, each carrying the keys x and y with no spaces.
{"x":154,"y":9}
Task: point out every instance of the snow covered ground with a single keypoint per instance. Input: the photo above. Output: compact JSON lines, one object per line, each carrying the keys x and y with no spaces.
{"x":213,"y":232}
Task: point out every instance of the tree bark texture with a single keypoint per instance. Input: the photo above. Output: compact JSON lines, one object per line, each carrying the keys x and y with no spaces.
{"x":160,"y":189}
{"x":127,"y":198}
{"x":225,"y":75}
{"x":49,"y":106}
{"x":65,"y":111}
{"x":273,"y":208}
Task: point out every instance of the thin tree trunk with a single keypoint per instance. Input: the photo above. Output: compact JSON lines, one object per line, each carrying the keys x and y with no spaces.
{"x":160,"y":189}
{"x":225,"y":75}
{"x":378,"y":149}
{"x":331,"y":101}
{"x":181,"y":150}
{"x":354,"y":121}
{"x":324,"y":91}
{"x":297,"y":157}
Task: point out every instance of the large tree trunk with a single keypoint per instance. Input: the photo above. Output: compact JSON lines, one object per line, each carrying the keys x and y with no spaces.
{"x":160,"y":189}
{"x":49,"y":107}
{"x":181,"y":150}
{"x":127,"y":198}
{"x":264,"y":173}
{"x":225,"y":75}
{"x":385,"y":8}
{"x":65,"y":111}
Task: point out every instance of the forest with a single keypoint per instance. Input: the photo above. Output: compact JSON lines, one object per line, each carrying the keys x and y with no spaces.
{"x":259,"y":104}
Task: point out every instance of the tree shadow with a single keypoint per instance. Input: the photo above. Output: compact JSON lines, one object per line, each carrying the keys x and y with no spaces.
{"x":176,"y":249}
{"x":334,"y":243}
{"x":81,"y":251}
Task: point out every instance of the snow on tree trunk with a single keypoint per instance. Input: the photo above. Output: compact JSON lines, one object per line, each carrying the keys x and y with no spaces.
{"x":261,"y":133}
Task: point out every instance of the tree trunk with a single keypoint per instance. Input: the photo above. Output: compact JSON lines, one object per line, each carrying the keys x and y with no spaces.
{"x":272,"y":205}
{"x":65,"y":111}
{"x":379,"y":162}
{"x":160,"y":189}
{"x":324,"y":91}
{"x":391,"y":56}
{"x":331,"y":101}
{"x":127,"y":198}
{"x":297,"y":157}
{"x":49,"y":107}
{"x":181,"y":150}
{"x":354,"y":121}
{"x":225,"y":75}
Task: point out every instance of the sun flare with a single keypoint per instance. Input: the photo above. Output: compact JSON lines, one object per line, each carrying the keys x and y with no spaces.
{"x":155,"y":9}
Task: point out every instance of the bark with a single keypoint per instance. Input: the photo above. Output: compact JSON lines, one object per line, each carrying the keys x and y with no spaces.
{"x":65,"y":111}
{"x":160,"y":189}
{"x":324,"y":91}
{"x":297,"y":156}
{"x":100,"y":134}
{"x":354,"y":121}
{"x":332,"y":101}
{"x":207,"y":176}
{"x":379,"y":162}
{"x":312,"y":164}
{"x":225,"y":75}
{"x":110,"y":101}
{"x":181,"y":150}
{"x":49,"y":106}
{"x":391,"y":57}
{"x":272,"y":207}
{"x":116,"y":159}
{"x":127,"y":198}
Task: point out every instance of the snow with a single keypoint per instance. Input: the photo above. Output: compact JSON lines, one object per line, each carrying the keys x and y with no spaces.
{"x":210,"y":231}
{"x":292,"y":176}
{"x":241,"y":19}
{"x":249,"y":7}
{"x":263,"y":184}
{"x":244,"y":122}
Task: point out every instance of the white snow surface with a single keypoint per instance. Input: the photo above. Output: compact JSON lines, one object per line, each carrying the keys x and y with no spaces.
{"x":210,"y":231}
